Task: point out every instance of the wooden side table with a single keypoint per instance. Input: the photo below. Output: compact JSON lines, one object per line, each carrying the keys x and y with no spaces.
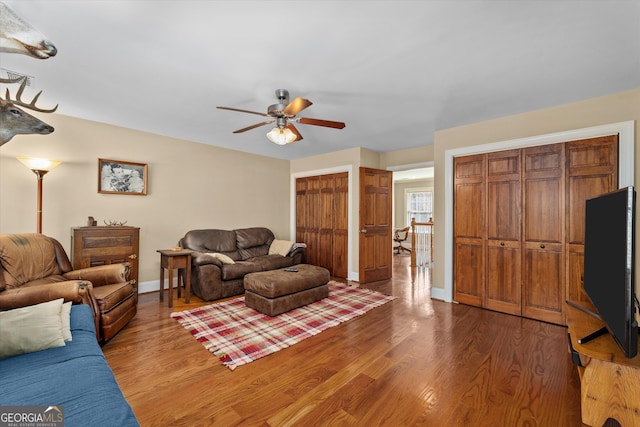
{"x":175,"y":259}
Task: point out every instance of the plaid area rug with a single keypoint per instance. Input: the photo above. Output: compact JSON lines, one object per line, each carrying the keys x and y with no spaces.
{"x":237,"y":334}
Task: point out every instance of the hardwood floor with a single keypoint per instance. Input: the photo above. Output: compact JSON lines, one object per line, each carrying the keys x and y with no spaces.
{"x":413,"y":361}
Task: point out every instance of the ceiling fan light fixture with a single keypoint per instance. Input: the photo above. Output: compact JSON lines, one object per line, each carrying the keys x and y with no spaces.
{"x":281,"y":136}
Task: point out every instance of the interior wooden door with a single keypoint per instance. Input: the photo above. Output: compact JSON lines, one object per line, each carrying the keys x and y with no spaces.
{"x":503,"y":250}
{"x":469,"y":229}
{"x":375,"y":225}
{"x":543,"y":233}
{"x":592,"y":170}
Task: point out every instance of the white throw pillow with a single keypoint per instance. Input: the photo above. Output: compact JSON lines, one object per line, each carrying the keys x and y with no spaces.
{"x":221,"y":257}
{"x":65,"y":319}
{"x":33,"y":328}
{"x":280,"y":247}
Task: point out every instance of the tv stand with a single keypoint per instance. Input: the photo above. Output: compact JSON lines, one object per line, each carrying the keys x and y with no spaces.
{"x":593,"y":335}
{"x":609,"y":382}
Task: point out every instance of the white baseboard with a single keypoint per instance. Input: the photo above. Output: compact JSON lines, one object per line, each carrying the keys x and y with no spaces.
{"x":153,"y":286}
{"x":441,"y":294}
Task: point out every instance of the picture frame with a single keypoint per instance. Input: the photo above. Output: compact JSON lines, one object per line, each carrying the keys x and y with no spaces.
{"x":122,"y":177}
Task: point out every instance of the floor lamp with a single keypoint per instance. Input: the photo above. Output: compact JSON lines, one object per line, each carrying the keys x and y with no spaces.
{"x":40,"y":167}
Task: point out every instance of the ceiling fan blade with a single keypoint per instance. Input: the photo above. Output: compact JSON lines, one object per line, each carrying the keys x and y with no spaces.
{"x":244,"y":111}
{"x":296,"y":106}
{"x":293,"y":129}
{"x":318,"y":122}
{"x":257,"y":125}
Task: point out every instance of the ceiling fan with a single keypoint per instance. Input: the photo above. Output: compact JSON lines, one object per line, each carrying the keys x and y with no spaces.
{"x":284,"y":113}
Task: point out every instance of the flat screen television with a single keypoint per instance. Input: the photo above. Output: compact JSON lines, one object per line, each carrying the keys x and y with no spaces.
{"x":609,"y":263}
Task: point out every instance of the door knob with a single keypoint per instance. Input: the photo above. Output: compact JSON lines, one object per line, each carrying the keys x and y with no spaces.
{"x":364,"y":230}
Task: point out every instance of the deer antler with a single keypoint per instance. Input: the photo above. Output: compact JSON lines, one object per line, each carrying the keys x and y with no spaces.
{"x":19,"y":102}
{"x":16,"y":80}
{"x":114,"y":223}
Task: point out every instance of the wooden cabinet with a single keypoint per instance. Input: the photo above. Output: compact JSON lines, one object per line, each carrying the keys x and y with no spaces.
{"x":519,"y":224}
{"x":93,"y":246}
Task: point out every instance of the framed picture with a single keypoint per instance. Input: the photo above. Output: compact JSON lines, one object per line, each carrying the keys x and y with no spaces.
{"x":120,"y":177}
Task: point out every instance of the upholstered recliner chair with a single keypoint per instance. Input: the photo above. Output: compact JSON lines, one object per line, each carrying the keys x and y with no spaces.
{"x":35,"y":268}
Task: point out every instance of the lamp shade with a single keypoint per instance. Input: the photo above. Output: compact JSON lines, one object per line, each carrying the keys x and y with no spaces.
{"x":39,"y":164}
{"x":281,"y":136}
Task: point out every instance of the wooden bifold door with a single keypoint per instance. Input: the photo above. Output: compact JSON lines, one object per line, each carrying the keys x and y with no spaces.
{"x":519,"y":224}
{"x":322,"y":220}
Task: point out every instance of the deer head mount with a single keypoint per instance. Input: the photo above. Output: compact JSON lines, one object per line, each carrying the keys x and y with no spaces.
{"x":17,"y":36}
{"x":14,"y":121}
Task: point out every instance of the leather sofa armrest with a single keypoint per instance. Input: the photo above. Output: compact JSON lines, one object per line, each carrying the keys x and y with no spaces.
{"x":203,"y":258}
{"x":76,"y":291}
{"x":297,"y":255}
{"x":101,"y":275}
{"x":296,"y":251}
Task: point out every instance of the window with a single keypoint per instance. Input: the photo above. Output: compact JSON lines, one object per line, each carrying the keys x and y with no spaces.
{"x":419,"y":204}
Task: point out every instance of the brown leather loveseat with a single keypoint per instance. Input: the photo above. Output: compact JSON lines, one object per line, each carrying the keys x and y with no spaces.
{"x":222,"y":258}
{"x":35,"y":268}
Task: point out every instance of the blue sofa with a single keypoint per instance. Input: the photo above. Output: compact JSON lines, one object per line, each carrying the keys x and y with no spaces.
{"x":75,"y":376}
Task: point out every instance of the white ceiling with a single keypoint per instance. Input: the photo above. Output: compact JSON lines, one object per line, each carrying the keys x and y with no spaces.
{"x":393,"y":71}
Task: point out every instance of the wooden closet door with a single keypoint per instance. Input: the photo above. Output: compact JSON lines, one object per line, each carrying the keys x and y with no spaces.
{"x":322,"y":220}
{"x":503,"y":252}
{"x":325,"y":223}
{"x":469,"y":229}
{"x":543,"y":233}
{"x":311,"y":202}
{"x":301,"y":211}
{"x":340,"y":216}
{"x":592,"y":170}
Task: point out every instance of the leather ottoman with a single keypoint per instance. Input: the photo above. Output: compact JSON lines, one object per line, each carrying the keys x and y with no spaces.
{"x":277,"y":291}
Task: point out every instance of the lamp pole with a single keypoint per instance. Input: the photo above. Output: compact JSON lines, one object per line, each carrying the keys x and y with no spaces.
{"x":40,"y":167}
{"x":40,"y":174}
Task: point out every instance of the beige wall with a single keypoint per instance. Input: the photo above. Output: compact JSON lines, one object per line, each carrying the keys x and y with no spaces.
{"x":190,"y":186}
{"x":195,"y":185}
{"x":410,"y":156}
{"x":604,"y":110}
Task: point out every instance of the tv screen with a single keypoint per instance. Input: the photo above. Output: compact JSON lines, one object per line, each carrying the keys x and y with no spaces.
{"x":609,"y":262}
